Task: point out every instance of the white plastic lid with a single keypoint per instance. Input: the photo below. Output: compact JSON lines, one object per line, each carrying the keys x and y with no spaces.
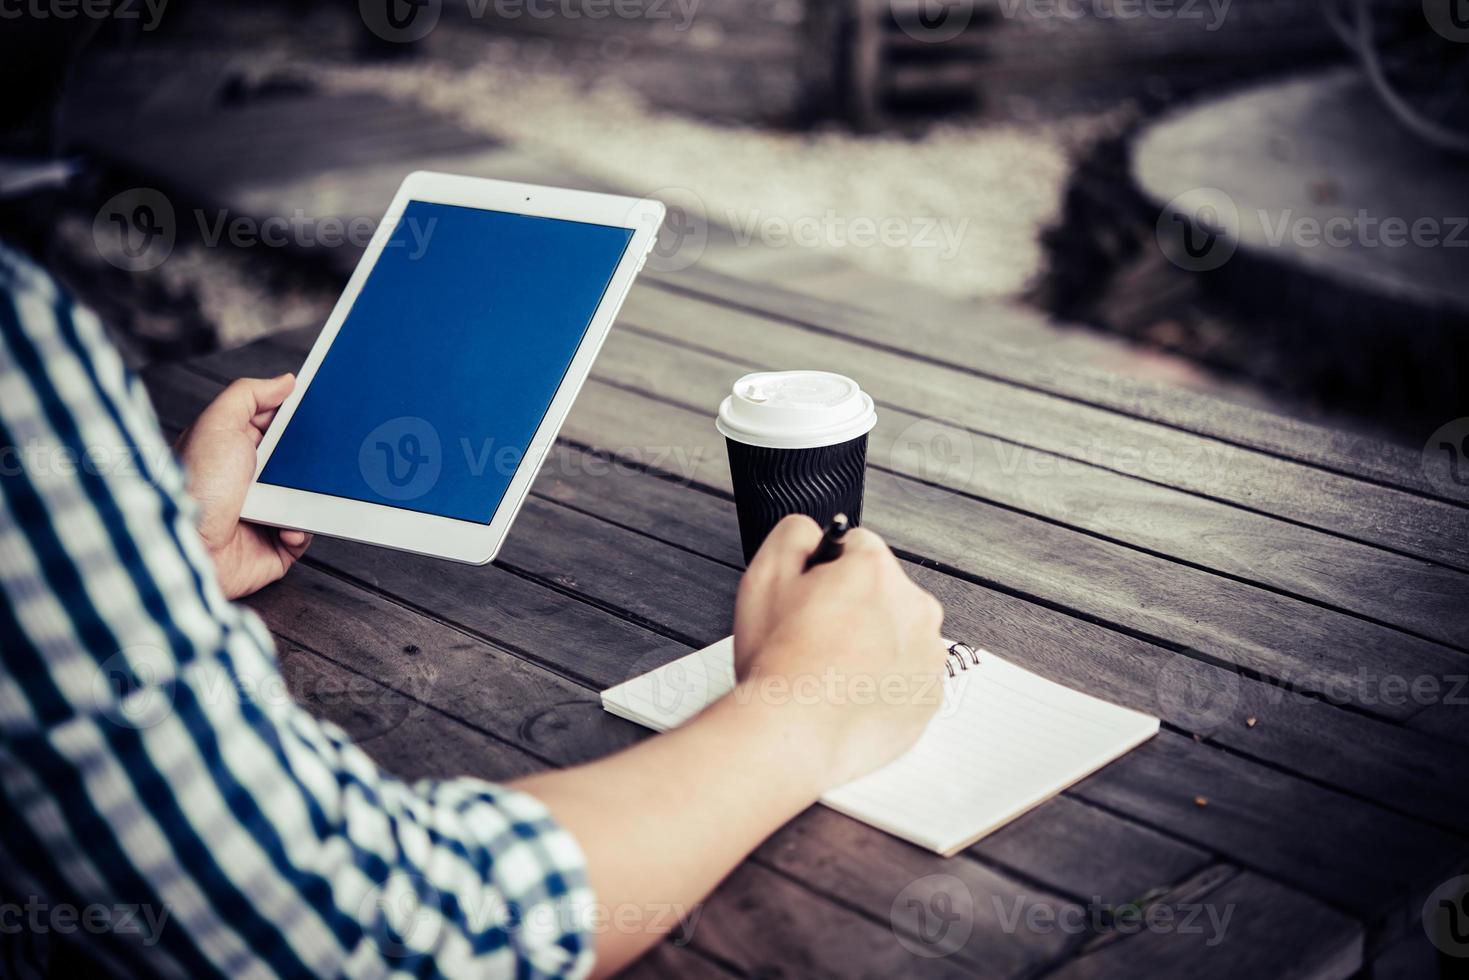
{"x":795,"y":410}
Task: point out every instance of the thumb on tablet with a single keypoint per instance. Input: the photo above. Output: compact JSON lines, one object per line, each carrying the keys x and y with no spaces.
{"x":270,"y":392}
{"x":246,"y":404}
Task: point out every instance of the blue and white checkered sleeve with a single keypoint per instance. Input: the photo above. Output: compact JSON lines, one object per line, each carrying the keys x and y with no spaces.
{"x":148,"y":773}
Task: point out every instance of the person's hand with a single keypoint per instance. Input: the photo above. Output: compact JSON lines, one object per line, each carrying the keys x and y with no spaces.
{"x":840,"y":671}
{"x":851,"y":649}
{"x":218,"y":453}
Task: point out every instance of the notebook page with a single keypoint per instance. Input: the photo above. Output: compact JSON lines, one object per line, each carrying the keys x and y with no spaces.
{"x":670,"y":695}
{"x":1005,"y":740}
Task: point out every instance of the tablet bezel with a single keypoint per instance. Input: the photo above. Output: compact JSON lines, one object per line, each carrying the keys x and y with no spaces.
{"x":431,"y":534}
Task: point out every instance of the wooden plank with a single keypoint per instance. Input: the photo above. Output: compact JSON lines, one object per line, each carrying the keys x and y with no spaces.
{"x":775,"y":930}
{"x":562,"y":722}
{"x":670,"y":961}
{"x":766,"y":264}
{"x":392,"y":728}
{"x":1330,"y":449}
{"x":1405,"y":771}
{"x":1217,"y":754}
{"x":1056,"y":845}
{"x":1413,"y":957}
{"x":1364,"y":756}
{"x":1324,"y":651}
{"x":923,"y":432}
{"x":528,"y":705}
{"x":1254,"y":641}
{"x":432,"y":746}
{"x":694,"y":596}
{"x":1073,"y":847}
{"x":820,"y":846}
{"x":1212,"y":926}
{"x":1291,"y":830}
{"x":1021,"y":411}
{"x":1449,"y":719}
{"x":1289,"y":838}
{"x":1307,"y":647}
{"x":877,"y":874}
{"x":1211,"y":468}
{"x":994,"y":321}
{"x":1289,"y":730}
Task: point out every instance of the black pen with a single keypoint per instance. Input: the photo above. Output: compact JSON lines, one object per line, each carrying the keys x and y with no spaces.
{"x":830,"y":547}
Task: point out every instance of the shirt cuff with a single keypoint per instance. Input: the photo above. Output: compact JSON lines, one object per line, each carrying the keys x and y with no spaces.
{"x":541,"y":872}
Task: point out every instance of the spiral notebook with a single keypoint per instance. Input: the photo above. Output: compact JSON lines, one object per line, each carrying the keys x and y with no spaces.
{"x":1004,"y":741}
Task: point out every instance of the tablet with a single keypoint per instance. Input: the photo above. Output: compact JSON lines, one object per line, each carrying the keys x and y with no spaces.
{"x":438,"y":384}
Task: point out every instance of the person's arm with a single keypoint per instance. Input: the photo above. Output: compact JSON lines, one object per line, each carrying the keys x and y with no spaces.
{"x":663,"y":822}
{"x":657,"y":843}
{"x":155,"y":762}
{"x":156,"y":766}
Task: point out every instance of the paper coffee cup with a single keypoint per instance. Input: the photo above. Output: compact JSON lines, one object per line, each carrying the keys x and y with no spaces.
{"x":797,"y":443}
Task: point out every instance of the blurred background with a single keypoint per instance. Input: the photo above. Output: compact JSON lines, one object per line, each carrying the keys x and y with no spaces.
{"x":1261,"y":199}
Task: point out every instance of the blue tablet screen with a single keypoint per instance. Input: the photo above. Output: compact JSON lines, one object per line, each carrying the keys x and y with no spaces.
{"x":443,"y":370}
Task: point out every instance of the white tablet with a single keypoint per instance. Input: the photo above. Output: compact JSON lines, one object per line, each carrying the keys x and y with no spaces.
{"x":437,"y":387}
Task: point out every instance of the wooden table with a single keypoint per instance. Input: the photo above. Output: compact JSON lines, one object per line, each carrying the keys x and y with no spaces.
{"x":1291,"y":601}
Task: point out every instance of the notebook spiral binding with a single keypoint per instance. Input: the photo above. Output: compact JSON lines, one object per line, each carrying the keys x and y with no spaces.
{"x":963,"y":654}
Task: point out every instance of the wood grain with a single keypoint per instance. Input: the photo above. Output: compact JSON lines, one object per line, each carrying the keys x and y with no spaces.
{"x":437,"y":668}
{"x":1056,"y":846}
{"x":1117,"y":483}
{"x":414,"y":744}
{"x":1289,"y":729}
{"x":1299,"y":645}
{"x":946,"y":341}
{"x":1449,"y":718}
{"x":1229,"y":570}
{"x":1089,"y":581}
{"x":1024,"y":411}
{"x":1213,"y":923}
{"x":618,"y":570}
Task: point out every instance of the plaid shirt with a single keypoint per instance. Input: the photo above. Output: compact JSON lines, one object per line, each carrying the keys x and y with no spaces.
{"x":158,"y":816}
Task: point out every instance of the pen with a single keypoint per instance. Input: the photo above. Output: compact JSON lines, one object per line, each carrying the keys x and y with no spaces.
{"x":830,"y":548}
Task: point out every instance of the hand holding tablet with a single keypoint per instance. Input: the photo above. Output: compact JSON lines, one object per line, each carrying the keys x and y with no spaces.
{"x":443,"y":375}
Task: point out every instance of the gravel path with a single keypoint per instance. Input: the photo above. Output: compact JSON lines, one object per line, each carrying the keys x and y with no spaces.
{"x":957,"y":209}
